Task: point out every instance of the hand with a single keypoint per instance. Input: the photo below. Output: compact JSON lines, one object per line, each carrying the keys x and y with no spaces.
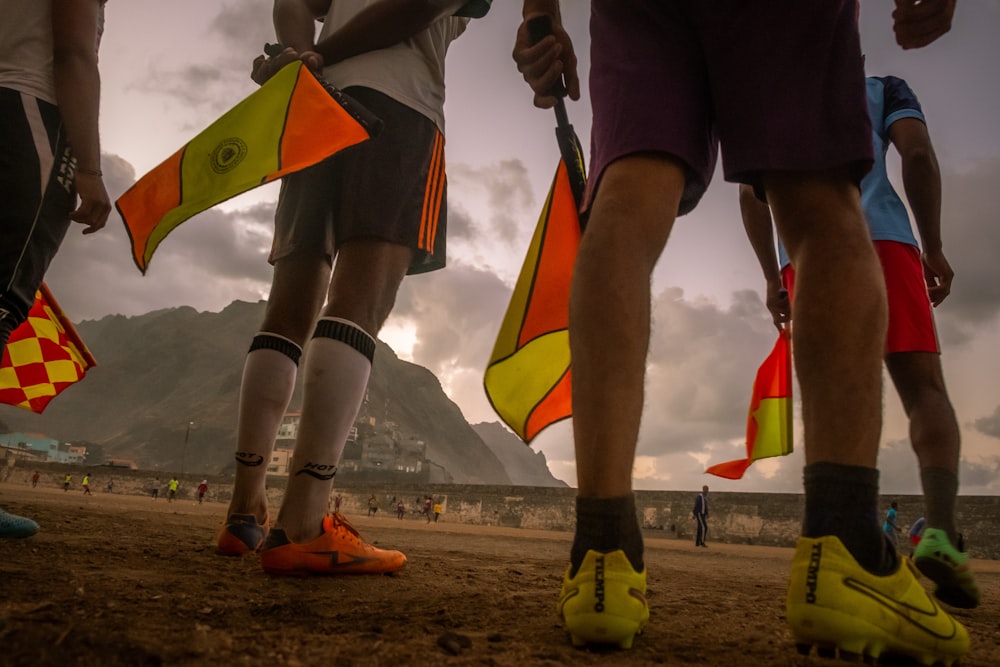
{"x":543,"y":64}
{"x":938,"y":276}
{"x":779,"y":305}
{"x":917,"y":23}
{"x":264,"y":67}
{"x":95,"y":205}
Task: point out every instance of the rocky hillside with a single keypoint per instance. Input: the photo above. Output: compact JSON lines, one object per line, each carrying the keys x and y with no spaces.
{"x":159,"y":371}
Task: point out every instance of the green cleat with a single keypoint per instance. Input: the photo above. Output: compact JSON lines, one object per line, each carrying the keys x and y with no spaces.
{"x":948,"y":568}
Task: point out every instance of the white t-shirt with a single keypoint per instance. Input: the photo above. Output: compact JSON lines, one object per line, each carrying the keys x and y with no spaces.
{"x":411,"y":72}
{"x":26,"y":47}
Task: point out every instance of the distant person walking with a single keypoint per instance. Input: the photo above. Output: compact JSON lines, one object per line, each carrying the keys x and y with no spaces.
{"x":67,"y":481}
{"x":34,"y":479}
{"x":202,"y":490}
{"x":336,"y":503}
{"x":86,"y":485}
{"x":172,"y":489}
{"x":437,"y":511}
{"x":400,"y":510}
{"x":372,"y":505}
{"x":890,"y":528}
{"x":155,"y":491}
{"x":428,"y":503}
{"x":701,"y":517}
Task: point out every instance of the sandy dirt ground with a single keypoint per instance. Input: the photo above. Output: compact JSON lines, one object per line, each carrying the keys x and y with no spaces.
{"x":122,"y":580}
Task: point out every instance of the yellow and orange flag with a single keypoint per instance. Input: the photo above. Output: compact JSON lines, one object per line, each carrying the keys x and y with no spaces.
{"x":527,"y":379}
{"x":769,"y":422}
{"x":43,"y":356}
{"x":293,"y":121}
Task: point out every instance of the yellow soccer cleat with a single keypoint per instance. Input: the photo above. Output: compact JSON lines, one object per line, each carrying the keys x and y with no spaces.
{"x":605,"y":603}
{"x":835,"y":605}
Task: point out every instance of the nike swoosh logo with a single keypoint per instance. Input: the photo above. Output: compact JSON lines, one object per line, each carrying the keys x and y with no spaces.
{"x":912,"y":615}
{"x":339,"y":559}
{"x":249,"y":460}
{"x":317,"y":475}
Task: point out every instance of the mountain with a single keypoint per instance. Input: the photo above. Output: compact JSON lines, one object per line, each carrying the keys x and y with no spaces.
{"x":525,"y":466}
{"x":159,"y":372}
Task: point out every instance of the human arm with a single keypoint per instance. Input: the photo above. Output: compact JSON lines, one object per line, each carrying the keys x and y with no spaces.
{"x":378,"y":26}
{"x":383,"y":24}
{"x":757,"y":223}
{"x":78,"y":96}
{"x":917,"y":23}
{"x":922,"y":184}
{"x":544,"y":63}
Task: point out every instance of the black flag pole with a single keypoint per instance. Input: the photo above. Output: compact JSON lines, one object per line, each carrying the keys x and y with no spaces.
{"x":540,"y":27}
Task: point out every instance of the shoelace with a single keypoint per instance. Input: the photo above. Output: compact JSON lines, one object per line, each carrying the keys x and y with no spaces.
{"x":340,"y":521}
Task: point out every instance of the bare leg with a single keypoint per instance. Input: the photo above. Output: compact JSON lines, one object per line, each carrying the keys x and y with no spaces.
{"x":628,"y":228}
{"x":840,"y":314}
{"x":363,"y":290}
{"x":934,"y":431}
{"x":297,"y":292}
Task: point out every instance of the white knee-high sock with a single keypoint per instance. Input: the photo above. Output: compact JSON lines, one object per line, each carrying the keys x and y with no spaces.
{"x":268,"y":382}
{"x":337,"y":366}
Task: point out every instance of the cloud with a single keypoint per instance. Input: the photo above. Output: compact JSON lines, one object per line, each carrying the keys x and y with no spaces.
{"x":701,"y":366}
{"x":456,"y":313}
{"x":508,"y":193}
{"x":989,"y":425}
{"x":206,"y":88}
{"x":971,"y":236}
{"x":214,"y":258}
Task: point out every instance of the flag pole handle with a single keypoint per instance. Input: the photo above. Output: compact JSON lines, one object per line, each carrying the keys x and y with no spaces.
{"x":540,"y":27}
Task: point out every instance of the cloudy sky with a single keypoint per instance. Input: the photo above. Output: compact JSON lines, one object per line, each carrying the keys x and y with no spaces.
{"x":169,"y":69}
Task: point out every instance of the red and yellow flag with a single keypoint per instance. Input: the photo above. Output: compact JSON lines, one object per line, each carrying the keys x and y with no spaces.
{"x":769,"y":423}
{"x":43,"y":356}
{"x":527,"y":379}
{"x":292,"y":122}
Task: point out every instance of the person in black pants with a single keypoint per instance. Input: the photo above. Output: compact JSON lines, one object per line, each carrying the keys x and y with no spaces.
{"x":701,"y":516}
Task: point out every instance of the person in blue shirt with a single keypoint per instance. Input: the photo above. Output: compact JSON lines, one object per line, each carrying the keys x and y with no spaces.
{"x":890,"y":528}
{"x":918,"y":278}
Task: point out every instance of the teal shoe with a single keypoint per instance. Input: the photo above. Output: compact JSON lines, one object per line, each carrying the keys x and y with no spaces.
{"x":14,"y":526}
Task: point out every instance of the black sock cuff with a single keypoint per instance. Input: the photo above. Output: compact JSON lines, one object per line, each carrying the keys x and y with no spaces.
{"x":269,"y":341}
{"x":606,"y":507}
{"x":605,"y":525}
{"x":347,"y":333}
{"x":839,"y":473}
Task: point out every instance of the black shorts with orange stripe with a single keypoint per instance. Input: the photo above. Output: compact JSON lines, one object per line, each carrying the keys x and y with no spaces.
{"x":392,"y":187}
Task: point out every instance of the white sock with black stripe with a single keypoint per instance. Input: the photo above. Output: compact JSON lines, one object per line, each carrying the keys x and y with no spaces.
{"x":337,"y":367}
{"x":269,"y":374}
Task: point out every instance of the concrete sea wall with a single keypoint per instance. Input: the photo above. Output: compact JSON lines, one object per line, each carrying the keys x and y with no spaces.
{"x":736,"y":518}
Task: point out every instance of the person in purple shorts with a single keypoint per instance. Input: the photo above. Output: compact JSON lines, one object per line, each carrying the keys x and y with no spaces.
{"x":780,"y":86}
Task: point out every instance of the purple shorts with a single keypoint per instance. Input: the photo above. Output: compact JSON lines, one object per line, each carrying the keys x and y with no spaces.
{"x":779,"y":83}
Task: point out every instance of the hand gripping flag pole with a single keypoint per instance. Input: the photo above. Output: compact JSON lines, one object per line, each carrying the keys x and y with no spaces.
{"x":527,"y":379}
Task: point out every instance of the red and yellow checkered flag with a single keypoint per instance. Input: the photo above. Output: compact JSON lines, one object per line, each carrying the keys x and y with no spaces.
{"x":43,"y":356}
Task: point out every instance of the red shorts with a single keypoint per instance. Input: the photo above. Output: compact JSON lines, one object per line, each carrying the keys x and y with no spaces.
{"x":911,"y":318}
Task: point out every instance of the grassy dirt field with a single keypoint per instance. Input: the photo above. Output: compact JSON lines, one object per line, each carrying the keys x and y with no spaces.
{"x":116,"y":580}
